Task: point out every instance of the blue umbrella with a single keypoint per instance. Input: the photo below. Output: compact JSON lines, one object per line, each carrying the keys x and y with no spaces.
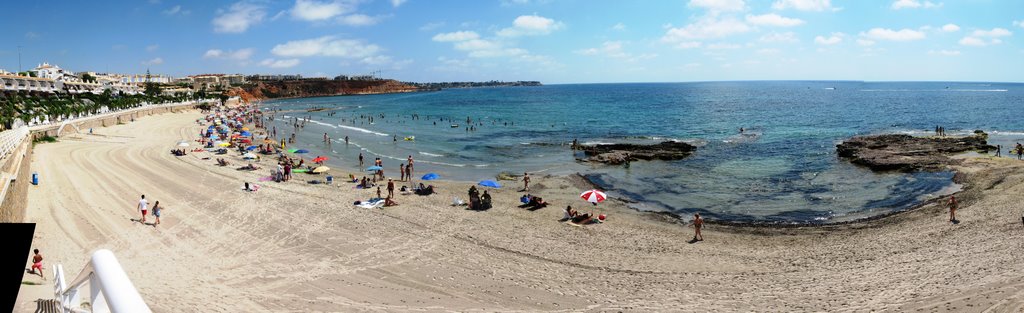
{"x":246,"y":134}
{"x":374,"y":168}
{"x":489,"y":183}
{"x":250,"y":148}
{"x":211,"y":127}
{"x":431,"y":176}
{"x":302,"y":151}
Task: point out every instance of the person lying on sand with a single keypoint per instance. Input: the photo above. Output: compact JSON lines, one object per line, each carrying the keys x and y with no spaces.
{"x":389,"y":202}
{"x":249,"y":167}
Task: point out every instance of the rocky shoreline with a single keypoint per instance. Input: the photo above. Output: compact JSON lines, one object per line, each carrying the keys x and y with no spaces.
{"x":907,"y":153}
{"x":619,"y":153}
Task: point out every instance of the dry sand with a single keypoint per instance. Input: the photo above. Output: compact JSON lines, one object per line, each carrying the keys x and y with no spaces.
{"x":304,"y":248}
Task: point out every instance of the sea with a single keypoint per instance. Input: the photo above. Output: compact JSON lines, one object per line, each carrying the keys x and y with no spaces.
{"x":783,"y":168}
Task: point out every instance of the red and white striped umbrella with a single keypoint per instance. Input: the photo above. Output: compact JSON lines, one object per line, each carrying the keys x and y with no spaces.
{"x":594,"y":196}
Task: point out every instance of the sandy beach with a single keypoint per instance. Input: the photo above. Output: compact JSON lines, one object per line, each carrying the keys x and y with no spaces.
{"x":295,"y":247}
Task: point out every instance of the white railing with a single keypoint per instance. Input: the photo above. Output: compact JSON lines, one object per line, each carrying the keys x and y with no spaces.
{"x":10,"y":139}
{"x":102,"y":112}
{"x":110,"y":290}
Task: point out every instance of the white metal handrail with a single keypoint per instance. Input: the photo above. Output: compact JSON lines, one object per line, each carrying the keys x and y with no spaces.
{"x":110,"y":289}
{"x":11,"y":139}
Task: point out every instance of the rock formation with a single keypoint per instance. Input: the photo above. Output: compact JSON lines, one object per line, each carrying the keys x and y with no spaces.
{"x":908,"y":153}
{"x":622,"y":152}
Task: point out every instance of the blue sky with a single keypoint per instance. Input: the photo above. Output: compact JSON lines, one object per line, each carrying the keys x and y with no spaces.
{"x":554,"y":41}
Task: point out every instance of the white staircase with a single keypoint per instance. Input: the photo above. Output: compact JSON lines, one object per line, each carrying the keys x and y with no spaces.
{"x":110,"y":290}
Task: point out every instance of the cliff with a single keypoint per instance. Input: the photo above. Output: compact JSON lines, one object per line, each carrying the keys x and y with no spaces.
{"x":314,"y":88}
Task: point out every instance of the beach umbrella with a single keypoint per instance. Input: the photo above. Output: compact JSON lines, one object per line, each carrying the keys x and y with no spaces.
{"x":321,"y":169}
{"x":320,"y":159}
{"x":300,"y":151}
{"x":374,"y":168}
{"x":246,"y":141}
{"x":246,"y":134}
{"x":250,"y":148}
{"x":430,"y":176}
{"x":489,"y":183}
{"x":292,"y":150}
{"x":182,"y":144}
{"x":224,"y":144}
{"x":594,"y":196}
{"x":211,"y":127}
{"x":248,"y":156}
{"x":245,"y":128}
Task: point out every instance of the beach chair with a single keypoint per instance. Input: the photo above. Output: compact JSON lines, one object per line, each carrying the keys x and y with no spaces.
{"x":330,"y":180}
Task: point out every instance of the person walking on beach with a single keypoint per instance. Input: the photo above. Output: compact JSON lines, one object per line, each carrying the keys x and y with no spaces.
{"x":346,"y":142}
{"x":698,"y":222}
{"x":401,"y":171}
{"x":37,"y":263}
{"x":952,"y":209}
{"x":142,"y":208}
{"x":526,"y":181}
{"x":378,"y":192}
{"x":156,"y":212}
{"x":391,"y":188}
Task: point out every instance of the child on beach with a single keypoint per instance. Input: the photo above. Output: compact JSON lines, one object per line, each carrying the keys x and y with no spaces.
{"x":952,"y":209}
{"x":156,"y":212}
{"x":698,"y":222}
{"x":37,"y":264}
{"x":526,"y":181}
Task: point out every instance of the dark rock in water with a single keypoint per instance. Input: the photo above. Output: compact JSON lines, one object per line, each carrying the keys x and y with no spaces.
{"x":908,"y":153}
{"x":620,"y":153}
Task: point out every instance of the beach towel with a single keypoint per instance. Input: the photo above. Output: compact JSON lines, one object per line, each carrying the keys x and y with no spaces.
{"x":268,"y":178}
{"x":371,"y":205}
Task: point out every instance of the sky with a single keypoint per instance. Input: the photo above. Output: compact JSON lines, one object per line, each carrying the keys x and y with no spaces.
{"x":552,"y":41}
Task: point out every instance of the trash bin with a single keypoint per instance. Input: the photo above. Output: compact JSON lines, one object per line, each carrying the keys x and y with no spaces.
{"x":35,"y":178}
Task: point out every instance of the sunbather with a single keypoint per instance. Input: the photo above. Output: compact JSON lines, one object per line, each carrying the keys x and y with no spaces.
{"x":389,"y":202}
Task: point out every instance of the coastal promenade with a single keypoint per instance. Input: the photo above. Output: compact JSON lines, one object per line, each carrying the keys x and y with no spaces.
{"x":299,"y":247}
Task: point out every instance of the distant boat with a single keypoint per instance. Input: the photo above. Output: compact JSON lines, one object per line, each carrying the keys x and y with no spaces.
{"x":830,"y":88}
{"x":455,"y":125}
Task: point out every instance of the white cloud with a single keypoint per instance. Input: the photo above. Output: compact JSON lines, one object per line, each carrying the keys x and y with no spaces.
{"x":283,"y":63}
{"x":779,"y":37}
{"x":706,"y":28}
{"x":239,"y":17}
{"x":328,"y":46}
{"x":832,"y":39}
{"x":949,"y":28}
{"x":614,"y":49}
{"x":972,"y":41}
{"x":31,"y":35}
{"x":526,"y":25}
{"x":977,"y":38}
{"x":768,"y":51}
{"x":691,"y":65}
{"x":905,"y":34}
{"x":154,"y":61}
{"x":431,"y":26}
{"x":719,"y":5}
{"x":914,"y":4}
{"x":359,"y":20}
{"x":1019,"y":23}
{"x":213,"y":53}
{"x":397,"y":3}
{"x":176,"y":10}
{"x":995,"y":32}
{"x":773,"y":19}
{"x":723,"y":46}
{"x":945,"y":52}
{"x":311,"y":10}
{"x":619,"y":26}
{"x":688,"y":45}
{"x":152,"y":48}
{"x":865,"y":42}
{"x":456,"y":36}
{"x":803,"y":5}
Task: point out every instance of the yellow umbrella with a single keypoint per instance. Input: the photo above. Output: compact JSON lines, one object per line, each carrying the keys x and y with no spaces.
{"x":245,"y":128}
{"x":321,"y":169}
{"x":224,"y":144}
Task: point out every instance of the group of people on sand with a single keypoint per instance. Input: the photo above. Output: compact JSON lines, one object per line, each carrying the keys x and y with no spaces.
{"x":478,"y":201}
{"x":578,"y":218}
{"x":940,"y":131}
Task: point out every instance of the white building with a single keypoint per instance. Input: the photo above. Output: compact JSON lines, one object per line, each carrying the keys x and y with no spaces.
{"x":139,"y":79}
{"x":47,"y":70}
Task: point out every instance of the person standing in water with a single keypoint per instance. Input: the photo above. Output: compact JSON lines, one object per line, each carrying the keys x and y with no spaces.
{"x":360,"y":160}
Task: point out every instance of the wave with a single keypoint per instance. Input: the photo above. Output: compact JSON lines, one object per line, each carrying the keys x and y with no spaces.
{"x":322,"y":123}
{"x":1006,"y":133}
{"x":362,"y":130}
{"x":431,"y":154}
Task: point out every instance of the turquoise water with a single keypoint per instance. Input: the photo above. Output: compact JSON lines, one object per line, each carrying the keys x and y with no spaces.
{"x":784,"y":170}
